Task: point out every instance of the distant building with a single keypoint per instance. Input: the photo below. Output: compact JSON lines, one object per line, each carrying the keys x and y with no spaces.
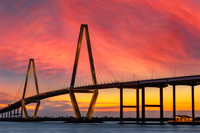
{"x":183,"y":118}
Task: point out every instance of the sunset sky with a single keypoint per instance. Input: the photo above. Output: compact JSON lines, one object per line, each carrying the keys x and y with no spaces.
{"x":131,"y":40}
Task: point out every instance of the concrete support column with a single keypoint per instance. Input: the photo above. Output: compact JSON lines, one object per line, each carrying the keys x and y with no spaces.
{"x":174,"y":102}
{"x":17,"y":112}
{"x":8,"y":114}
{"x":161,"y":104}
{"x":137,"y":103}
{"x":143,"y":104}
{"x":11,"y":114}
{"x":193,"y":111}
{"x":121,"y":104}
{"x":21,"y":112}
{"x":14,"y":113}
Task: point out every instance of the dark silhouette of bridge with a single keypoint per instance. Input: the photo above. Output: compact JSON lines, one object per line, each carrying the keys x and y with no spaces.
{"x":13,"y":110}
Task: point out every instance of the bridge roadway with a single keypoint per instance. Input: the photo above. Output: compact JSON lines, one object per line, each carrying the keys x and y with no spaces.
{"x":162,"y":82}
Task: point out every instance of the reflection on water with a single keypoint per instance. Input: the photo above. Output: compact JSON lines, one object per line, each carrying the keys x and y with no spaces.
{"x":109,"y":127}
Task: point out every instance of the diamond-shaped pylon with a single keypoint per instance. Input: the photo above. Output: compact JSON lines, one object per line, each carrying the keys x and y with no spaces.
{"x":23,"y":101}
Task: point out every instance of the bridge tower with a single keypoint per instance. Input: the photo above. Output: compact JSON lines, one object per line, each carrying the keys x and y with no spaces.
{"x":84,"y":27}
{"x":25,"y":101}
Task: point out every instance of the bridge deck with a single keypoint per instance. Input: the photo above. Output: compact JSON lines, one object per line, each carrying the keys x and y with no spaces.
{"x":184,"y":80}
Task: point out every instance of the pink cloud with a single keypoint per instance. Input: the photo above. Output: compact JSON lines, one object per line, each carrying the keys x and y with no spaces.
{"x":134,"y":36}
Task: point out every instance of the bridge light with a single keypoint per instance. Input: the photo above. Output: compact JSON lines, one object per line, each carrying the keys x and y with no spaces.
{"x":45,"y":94}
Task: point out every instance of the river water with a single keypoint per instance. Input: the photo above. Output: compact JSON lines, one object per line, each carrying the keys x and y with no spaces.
{"x":106,"y":127}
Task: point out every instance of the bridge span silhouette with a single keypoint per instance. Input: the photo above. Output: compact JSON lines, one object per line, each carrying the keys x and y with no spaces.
{"x":18,"y":108}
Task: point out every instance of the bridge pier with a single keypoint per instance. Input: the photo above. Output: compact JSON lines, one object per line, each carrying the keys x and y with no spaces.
{"x":192,"y":100}
{"x":121,"y":105}
{"x":7,"y":114}
{"x":134,"y":106}
{"x":161,"y":104}
{"x":21,"y":112}
{"x":14,"y":113}
{"x":137,"y":104}
{"x":10,"y":114}
{"x":144,"y":105}
{"x":174,"y":102}
{"x":193,"y":110}
{"x":17,"y":112}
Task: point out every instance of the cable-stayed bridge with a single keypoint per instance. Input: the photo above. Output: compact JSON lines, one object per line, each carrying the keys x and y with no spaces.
{"x":13,"y":110}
